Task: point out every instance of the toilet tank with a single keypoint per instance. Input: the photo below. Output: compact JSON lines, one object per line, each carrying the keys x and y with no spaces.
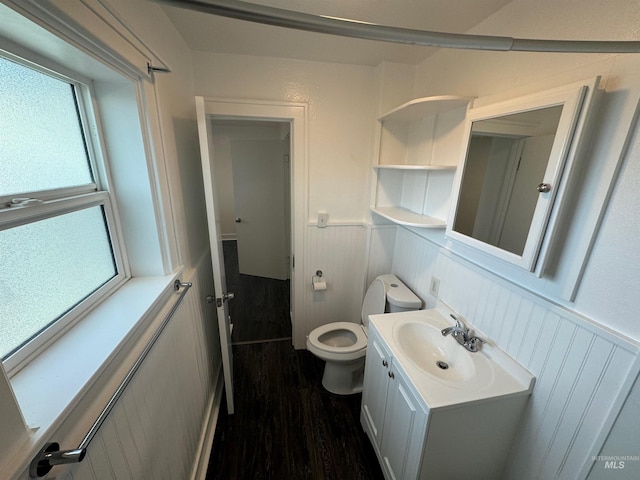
{"x":399,"y":297}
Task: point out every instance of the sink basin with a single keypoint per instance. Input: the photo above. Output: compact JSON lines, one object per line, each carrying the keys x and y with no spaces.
{"x":440,"y":357}
{"x":441,"y":370}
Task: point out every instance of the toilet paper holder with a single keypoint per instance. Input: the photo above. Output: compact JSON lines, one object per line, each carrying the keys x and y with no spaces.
{"x":317,"y":283}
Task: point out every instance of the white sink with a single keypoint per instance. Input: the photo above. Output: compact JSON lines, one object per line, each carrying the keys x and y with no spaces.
{"x":442,"y":357}
{"x":444,"y":372}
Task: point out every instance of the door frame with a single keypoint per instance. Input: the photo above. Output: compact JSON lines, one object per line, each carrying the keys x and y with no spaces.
{"x":297,"y":116}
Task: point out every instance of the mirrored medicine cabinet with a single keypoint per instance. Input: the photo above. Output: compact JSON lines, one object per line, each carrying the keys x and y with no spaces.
{"x":512,"y":181}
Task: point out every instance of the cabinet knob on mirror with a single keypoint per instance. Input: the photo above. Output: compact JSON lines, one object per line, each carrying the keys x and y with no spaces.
{"x":544,"y":188}
{"x":238,"y":220}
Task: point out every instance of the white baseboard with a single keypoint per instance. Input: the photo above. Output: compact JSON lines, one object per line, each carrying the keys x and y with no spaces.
{"x":199,"y":471}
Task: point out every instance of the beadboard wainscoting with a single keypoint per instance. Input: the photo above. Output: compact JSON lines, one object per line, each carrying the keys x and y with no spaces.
{"x":583,"y":371}
{"x":339,"y":250}
{"x":382,"y":240}
{"x":158,"y":428}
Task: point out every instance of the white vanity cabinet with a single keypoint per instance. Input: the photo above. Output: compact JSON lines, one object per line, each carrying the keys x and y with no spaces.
{"x":392,"y":414}
{"x":414,"y":440}
{"x":418,"y":148}
{"x":374,"y":394}
{"x":404,"y":428}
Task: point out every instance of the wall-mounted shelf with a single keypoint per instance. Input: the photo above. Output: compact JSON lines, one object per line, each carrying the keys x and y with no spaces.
{"x":420,"y":108}
{"x":405,"y":217}
{"x":418,"y":151}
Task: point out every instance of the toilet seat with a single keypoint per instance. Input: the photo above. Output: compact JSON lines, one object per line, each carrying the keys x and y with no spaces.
{"x":331,"y":352}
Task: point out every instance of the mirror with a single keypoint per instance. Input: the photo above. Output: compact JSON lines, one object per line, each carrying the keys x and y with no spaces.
{"x":506,"y":161}
{"x":512,"y":173}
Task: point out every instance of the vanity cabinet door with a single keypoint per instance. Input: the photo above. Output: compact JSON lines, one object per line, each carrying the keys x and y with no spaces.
{"x":374,"y":394}
{"x":404,"y":429}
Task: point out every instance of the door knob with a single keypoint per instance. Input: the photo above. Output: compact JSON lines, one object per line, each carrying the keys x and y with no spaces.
{"x":225,"y":298}
{"x":238,"y":220}
{"x":544,"y":188}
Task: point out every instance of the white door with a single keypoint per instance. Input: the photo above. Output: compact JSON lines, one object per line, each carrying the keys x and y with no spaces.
{"x":217,"y":260}
{"x":260,"y":195}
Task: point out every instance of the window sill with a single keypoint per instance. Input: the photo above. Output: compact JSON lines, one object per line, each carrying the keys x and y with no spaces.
{"x":50,"y":386}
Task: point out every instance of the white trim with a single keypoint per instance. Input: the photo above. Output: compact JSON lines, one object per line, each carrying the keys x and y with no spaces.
{"x":210,"y":421}
{"x":159,"y":176}
{"x":297,"y":114}
{"x":120,"y":26}
{"x":65,"y":20}
{"x":354,"y":223}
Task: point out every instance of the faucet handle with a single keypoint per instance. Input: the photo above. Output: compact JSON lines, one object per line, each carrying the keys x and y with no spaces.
{"x":459,"y":323}
{"x":474,"y":343}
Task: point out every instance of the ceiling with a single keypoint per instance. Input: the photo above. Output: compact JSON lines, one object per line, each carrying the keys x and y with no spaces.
{"x":209,"y":33}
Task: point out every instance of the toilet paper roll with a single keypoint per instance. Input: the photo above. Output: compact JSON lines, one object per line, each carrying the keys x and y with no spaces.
{"x":317,"y":285}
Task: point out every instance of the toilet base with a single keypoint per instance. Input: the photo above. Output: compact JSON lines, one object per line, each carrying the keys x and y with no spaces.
{"x":343,"y":378}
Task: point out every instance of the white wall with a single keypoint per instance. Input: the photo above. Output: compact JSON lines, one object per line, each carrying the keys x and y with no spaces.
{"x":175,"y":100}
{"x":552,"y":439}
{"x":341,"y":106}
{"x":126,"y":445}
{"x":341,"y":103}
{"x":609,"y":282}
{"x":341,"y":112}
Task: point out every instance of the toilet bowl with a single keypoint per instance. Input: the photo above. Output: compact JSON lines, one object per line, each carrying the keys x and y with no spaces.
{"x":343,"y":345}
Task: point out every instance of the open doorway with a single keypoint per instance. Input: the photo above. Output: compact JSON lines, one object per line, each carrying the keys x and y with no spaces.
{"x":253,"y":178}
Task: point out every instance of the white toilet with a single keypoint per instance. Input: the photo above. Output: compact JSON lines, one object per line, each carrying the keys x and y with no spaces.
{"x":342,"y":345}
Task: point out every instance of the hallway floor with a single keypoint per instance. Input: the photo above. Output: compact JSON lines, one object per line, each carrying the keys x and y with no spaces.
{"x":260,"y":309}
{"x":286,"y":426}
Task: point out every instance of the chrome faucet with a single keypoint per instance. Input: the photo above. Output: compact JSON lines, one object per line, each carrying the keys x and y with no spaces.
{"x":463,"y":336}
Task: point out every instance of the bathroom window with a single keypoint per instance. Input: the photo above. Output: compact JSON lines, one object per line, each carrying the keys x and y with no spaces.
{"x":58,"y":248}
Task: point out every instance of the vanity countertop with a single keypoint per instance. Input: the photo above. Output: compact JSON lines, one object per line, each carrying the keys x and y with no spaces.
{"x":468,"y":377}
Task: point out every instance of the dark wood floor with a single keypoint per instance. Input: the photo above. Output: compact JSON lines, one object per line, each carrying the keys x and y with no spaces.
{"x":285,"y":425}
{"x":260,"y":309}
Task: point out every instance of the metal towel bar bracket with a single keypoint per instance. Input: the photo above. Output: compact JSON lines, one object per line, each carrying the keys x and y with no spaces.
{"x":50,"y":455}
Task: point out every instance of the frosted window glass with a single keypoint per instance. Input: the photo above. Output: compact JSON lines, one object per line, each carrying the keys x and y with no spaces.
{"x":48,"y":267}
{"x":41,"y":140}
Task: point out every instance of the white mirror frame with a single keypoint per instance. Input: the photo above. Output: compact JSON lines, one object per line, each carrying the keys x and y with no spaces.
{"x":577,"y":101}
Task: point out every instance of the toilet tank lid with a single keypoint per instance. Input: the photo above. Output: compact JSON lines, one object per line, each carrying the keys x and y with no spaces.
{"x":398,"y":293}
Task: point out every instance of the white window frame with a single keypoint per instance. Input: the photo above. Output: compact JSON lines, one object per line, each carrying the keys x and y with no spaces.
{"x":51,"y":203}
